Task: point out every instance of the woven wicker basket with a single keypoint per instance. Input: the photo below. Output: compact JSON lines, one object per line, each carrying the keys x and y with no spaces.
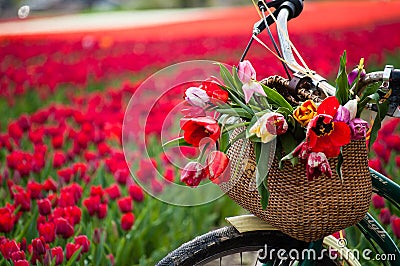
{"x":305,"y":210}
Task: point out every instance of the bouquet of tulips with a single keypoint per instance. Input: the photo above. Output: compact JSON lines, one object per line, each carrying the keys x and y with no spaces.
{"x":308,"y":133}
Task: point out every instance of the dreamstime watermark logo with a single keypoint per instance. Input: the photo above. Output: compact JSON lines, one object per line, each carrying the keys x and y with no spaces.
{"x":341,"y":252}
{"x":156,"y":107}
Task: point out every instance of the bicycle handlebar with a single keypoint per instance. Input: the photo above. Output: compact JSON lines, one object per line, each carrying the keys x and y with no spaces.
{"x":285,"y":10}
{"x":283,"y":36}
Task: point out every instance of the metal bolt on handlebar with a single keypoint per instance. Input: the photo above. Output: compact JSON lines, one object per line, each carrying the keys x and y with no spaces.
{"x":386,"y":77}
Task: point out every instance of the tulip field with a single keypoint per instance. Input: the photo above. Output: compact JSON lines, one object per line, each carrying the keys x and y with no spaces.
{"x":67,"y":195}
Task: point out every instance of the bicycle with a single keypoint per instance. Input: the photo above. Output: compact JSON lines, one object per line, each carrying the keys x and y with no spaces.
{"x":248,"y":233}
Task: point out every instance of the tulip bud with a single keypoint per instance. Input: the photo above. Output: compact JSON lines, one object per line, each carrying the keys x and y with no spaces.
{"x":246,"y":71}
{"x":384,"y":216}
{"x":217,"y":163}
{"x":197,"y":97}
{"x":354,"y":74}
{"x":378,"y":202}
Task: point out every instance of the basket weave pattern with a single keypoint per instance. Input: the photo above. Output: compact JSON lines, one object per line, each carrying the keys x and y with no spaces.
{"x":305,"y":210}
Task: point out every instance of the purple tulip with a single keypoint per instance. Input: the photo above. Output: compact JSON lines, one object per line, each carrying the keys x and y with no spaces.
{"x":358,"y":128}
{"x":317,"y":165}
{"x":342,"y":115}
{"x":351,"y":77}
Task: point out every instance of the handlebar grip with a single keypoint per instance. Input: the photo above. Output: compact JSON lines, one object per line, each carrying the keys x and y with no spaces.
{"x":395,"y":78}
{"x":293,"y":6}
{"x":394,"y":99}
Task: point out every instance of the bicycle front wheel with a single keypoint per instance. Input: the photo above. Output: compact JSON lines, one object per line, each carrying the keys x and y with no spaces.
{"x":217,"y":248}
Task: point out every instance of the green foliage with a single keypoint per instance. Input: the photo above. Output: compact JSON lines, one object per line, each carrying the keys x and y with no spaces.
{"x":342,"y":84}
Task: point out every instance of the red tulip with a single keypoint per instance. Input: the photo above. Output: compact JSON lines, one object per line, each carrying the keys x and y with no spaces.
{"x":393,"y":142}
{"x":8,"y":247}
{"x":58,"y":159}
{"x":44,"y":206}
{"x":395,"y":221}
{"x":127,"y":221}
{"x":65,"y":174}
{"x":102,"y":211}
{"x":23,"y":200}
{"x":57,"y":141}
{"x":90,"y":156}
{"x":375,"y":164}
{"x":47,"y":231}
{"x":35,"y":190}
{"x":50,"y":185}
{"x":83,"y":241}
{"x":63,"y":227}
{"x":18,"y":256}
{"x":71,"y":248}
{"x":317,"y":165}
{"x":323,"y":133}
{"x":39,"y":246}
{"x":384,"y":216}
{"x":125,"y":204}
{"x":66,"y":199}
{"x":169,"y":174}
{"x":79,"y":169}
{"x":136,"y":192}
{"x":21,"y":263}
{"x":20,"y":161}
{"x":53,"y":199}
{"x":121,"y":176}
{"x":58,"y":212}
{"x":7,"y":220}
{"x":75,"y":189}
{"x":214,"y":90}
{"x":217,"y":163}
{"x":388,"y":128}
{"x":378,"y":202}
{"x":92,"y":204}
{"x":113,"y":191}
{"x":193,"y":173}
{"x":381,"y":151}
{"x":110,"y":257}
{"x":103,"y":149}
{"x":397,"y":159}
{"x":74,"y":214}
{"x":198,"y":128}
{"x":96,"y":191}
{"x":36,"y":136}
{"x":57,"y":253}
{"x":14,"y":131}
